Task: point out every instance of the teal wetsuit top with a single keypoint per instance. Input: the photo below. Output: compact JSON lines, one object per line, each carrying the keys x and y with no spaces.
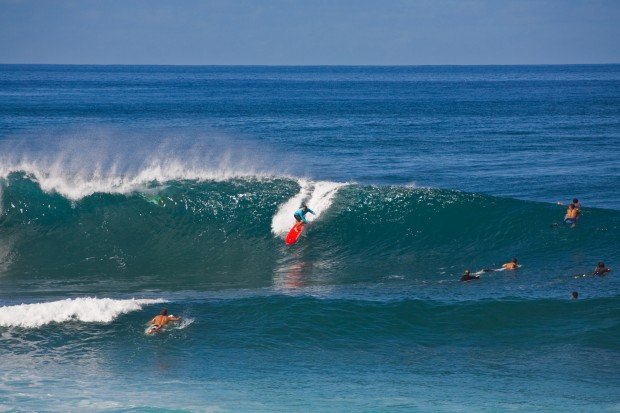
{"x":300,"y":215}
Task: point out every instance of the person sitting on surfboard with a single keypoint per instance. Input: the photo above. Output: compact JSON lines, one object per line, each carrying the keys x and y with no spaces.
{"x":159,"y":321}
{"x":300,"y":214}
{"x":572,"y":213}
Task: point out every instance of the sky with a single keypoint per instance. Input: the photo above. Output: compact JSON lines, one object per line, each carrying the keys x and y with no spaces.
{"x":310,"y":32}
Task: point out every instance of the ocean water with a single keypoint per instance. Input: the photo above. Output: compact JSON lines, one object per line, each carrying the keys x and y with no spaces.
{"x":127,"y":188}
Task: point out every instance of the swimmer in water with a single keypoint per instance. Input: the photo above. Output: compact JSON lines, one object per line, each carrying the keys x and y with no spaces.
{"x":575,"y":295}
{"x":159,"y":321}
{"x":601,"y":269}
{"x":511,"y":265}
{"x":467,"y":276}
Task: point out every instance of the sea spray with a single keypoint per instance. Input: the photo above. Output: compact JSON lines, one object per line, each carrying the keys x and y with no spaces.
{"x":77,"y":164}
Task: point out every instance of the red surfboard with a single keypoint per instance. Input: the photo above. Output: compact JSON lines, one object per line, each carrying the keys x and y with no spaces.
{"x":293,"y":234}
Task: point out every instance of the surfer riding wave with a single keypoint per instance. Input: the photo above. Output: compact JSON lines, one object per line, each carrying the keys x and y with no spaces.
{"x":300,"y":214}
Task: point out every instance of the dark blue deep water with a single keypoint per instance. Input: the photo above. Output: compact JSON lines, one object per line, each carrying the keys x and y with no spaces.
{"x":127,"y":188}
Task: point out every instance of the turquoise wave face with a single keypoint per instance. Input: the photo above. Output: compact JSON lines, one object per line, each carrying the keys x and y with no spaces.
{"x":205,"y":235}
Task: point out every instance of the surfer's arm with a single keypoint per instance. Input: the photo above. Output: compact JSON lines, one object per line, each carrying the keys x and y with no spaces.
{"x":152,"y":321}
{"x":173,"y":318}
{"x":303,"y":217}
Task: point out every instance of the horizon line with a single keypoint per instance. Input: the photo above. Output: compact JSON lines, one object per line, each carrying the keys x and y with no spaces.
{"x":309,"y":65}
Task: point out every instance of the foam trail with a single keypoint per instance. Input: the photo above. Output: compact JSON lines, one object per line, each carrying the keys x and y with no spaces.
{"x":319,"y":197}
{"x":322,"y":197}
{"x":283,"y":219}
{"x":184,"y":323}
{"x":88,"y":310}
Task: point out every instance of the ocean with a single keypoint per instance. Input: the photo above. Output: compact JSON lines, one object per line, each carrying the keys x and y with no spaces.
{"x":125,"y":189}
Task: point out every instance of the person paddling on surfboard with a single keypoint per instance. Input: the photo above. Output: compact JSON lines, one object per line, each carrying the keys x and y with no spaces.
{"x":467,"y":276}
{"x":159,"y":321}
{"x":601,"y":269}
{"x":300,"y":214}
{"x":511,"y":265}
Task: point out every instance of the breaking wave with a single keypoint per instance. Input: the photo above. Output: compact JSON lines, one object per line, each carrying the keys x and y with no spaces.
{"x":87,"y":310}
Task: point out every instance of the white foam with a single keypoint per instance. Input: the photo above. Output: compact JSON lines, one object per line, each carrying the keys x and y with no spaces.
{"x":77,"y":184}
{"x":283,"y":219}
{"x":319,"y":197}
{"x":322,"y":197}
{"x":88,"y":310}
{"x":184,"y":323}
{"x":80,"y":165}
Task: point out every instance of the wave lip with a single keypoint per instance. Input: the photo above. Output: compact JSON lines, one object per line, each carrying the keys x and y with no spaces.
{"x":76,"y":185}
{"x":87,"y":309}
{"x":80,"y":163}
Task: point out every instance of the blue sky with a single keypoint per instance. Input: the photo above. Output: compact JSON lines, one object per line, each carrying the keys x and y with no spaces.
{"x":310,"y":32}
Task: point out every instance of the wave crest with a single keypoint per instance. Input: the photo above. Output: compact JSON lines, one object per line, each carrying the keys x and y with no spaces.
{"x":88,"y":310}
{"x":78,"y":164}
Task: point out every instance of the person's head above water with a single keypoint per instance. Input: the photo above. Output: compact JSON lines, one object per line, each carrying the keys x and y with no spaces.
{"x":575,"y":295}
{"x":601,"y":264}
{"x":303,"y":206}
{"x":575,"y":201}
{"x":466,"y":272}
{"x":514,"y":260}
{"x":164,"y":311}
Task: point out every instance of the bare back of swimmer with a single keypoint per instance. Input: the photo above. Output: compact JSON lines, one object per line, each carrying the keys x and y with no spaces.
{"x":159,"y":321}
